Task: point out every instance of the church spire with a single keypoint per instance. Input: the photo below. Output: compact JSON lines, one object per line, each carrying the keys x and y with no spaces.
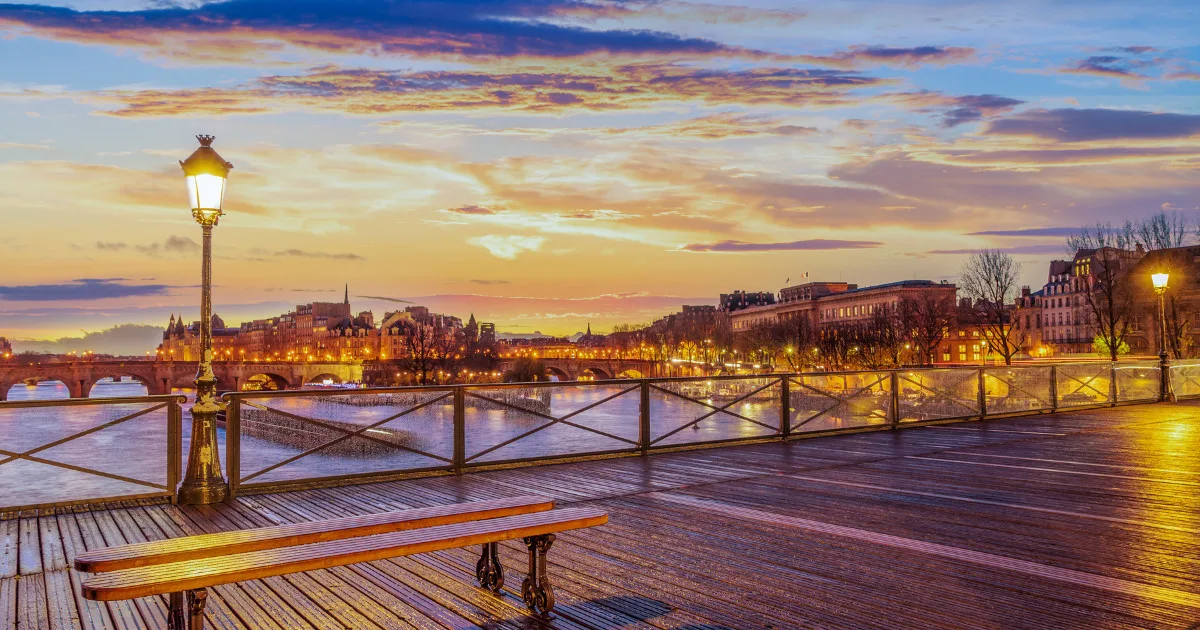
{"x":347,"y":294}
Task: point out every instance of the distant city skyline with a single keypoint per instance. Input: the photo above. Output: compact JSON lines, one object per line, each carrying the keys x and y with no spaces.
{"x":551,"y":164}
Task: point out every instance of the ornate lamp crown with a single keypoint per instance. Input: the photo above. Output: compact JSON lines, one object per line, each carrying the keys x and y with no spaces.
{"x":205,"y":160}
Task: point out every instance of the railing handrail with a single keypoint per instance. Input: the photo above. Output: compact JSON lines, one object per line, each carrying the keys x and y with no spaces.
{"x":76,"y":402}
{"x":290,"y":393}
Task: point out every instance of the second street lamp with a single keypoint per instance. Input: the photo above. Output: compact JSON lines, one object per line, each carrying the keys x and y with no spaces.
{"x":206,"y":173}
{"x":1159,"y":280}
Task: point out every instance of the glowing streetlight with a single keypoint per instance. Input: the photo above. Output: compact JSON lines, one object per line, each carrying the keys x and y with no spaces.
{"x":205,"y":173}
{"x":1160,"y":280}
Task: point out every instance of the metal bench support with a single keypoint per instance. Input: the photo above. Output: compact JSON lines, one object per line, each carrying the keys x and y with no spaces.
{"x":191,"y":618}
{"x":536,"y":589}
{"x":488,"y":570}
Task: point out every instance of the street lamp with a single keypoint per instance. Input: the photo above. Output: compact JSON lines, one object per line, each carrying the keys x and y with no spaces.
{"x":205,"y":173}
{"x":1164,"y":366}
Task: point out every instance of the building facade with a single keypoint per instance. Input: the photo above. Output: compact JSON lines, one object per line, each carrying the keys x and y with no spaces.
{"x":745,"y":299}
{"x":320,"y":331}
{"x":1181,"y":303}
{"x":828,"y":303}
{"x":1057,"y":320}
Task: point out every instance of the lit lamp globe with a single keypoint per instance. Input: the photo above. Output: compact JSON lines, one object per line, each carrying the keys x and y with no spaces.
{"x":206,"y":173}
{"x":1160,"y":281}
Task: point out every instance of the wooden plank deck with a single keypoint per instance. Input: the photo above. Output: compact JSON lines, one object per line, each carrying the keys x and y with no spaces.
{"x":1088,"y":519}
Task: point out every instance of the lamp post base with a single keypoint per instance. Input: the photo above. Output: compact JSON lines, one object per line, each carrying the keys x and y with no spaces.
{"x":203,"y":482}
{"x":204,"y":494}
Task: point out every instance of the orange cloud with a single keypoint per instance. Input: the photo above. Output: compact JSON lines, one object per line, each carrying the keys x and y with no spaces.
{"x":913,"y":57}
{"x":595,"y":88}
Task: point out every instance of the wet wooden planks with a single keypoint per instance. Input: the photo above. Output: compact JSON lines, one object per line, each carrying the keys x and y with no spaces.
{"x":1088,"y":519}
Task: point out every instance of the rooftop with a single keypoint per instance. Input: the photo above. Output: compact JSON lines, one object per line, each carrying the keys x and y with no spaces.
{"x":1085,"y":519}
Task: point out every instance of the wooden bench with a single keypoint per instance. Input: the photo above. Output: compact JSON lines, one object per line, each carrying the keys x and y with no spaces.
{"x":185,"y":567}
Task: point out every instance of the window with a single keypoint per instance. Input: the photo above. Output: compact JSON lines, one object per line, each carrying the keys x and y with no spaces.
{"x":946,"y":357}
{"x":975,"y":356}
{"x":962,"y":348}
{"x":974,"y":333}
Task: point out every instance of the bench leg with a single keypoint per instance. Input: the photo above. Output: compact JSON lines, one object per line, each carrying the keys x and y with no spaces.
{"x":176,"y":616}
{"x":536,"y":590}
{"x":488,"y":570}
{"x":196,"y":601}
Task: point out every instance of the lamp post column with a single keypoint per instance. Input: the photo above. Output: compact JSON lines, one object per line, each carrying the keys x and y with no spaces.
{"x":203,"y":482}
{"x":206,"y":173}
{"x":1164,"y":364}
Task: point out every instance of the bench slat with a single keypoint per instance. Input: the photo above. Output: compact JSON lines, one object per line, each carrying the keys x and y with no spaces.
{"x":202,"y":573}
{"x":227,"y":543}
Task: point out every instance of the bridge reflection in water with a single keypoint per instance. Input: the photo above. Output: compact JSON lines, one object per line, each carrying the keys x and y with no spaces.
{"x":120,"y":447}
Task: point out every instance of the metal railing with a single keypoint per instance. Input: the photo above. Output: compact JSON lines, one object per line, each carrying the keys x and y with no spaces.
{"x":1185,"y":378}
{"x":88,"y":450}
{"x":277,"y":439}
{"x":95,"y":450}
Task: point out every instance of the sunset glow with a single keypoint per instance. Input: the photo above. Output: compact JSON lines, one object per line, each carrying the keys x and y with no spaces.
{"x":551,"y":164}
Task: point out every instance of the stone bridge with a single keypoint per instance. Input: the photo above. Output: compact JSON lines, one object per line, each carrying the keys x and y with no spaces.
{"x":600,"y":369}
{"x":160,"y":377}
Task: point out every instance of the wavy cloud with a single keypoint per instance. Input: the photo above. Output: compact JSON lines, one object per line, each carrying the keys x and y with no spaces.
{"x":912,"y":57}
{"x":817,"y":244}
{"x":595,"y":88}
{"x":239,"y":31}
{"x":1085,"y":125}
{"x":508,"y":247}
{"x":81,"y":289}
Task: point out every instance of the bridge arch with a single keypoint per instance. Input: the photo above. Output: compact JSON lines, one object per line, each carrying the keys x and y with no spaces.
{"x":268,"y":381}
{"x":63,"y":390}
{"x":558,"y":374}
{"x":631,"y":373}
{"x":320,"y":379}
{"x":596,"y":373}
{"x":151,"y":387}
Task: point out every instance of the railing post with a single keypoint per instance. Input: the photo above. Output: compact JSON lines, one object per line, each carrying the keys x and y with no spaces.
{"x":644,"y":419}
{"x":982,"y":395}
{"x":460,"y":429}
{"x":1112,"y":384}
{"x":785,"y":407}
{"x":895,"y":399}
{"x":174,"y":447}
{"x":1053,"y":388}
{"x":233,"y":444}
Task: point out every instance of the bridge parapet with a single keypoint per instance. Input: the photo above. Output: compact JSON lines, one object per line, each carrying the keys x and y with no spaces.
{"x":160,"y":377}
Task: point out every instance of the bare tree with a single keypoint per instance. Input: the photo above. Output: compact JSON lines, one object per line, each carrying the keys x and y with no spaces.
{"x":1163,"y":231}
{"x":990,"y":279}
{"x":926,"y":320}
{"x":1106,"y":288}
{"x":799,"y":340}
{"x":885,"y":338}
{"x":420,"y":353}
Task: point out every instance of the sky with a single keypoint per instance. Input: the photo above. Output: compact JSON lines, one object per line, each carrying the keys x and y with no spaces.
{"x":545,"y":164}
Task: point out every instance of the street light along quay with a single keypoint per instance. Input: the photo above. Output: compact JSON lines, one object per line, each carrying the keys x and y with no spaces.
{"x":1160,"y":281}
{"x":206,"y":173}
